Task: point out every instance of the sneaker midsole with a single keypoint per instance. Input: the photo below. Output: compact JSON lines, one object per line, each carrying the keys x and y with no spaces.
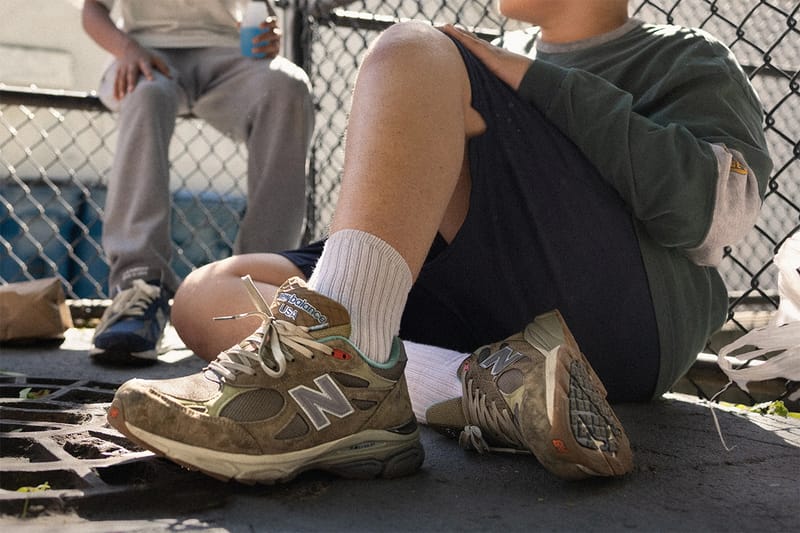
{"x":146,"y":354}
{"x":367,"y":444}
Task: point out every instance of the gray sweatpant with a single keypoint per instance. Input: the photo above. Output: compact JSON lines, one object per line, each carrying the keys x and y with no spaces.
{"x":265,"y":103}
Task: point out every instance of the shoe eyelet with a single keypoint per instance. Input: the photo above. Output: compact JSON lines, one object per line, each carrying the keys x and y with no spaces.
{"x":341,"y":355}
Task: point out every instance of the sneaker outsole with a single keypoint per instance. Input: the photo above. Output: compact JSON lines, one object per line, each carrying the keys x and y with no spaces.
{"x":586,"y":438}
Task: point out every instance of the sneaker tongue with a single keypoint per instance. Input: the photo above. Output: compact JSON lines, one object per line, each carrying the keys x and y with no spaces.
{"x":295,"y":302}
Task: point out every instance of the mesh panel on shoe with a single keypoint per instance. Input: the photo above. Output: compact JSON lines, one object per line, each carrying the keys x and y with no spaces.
{"x":510,"y":380}
{"x":296,"y":428}
{"x":349,"y":380}
{"x":485,"y":352}
{"x":364,"y":405}
{"x":259,"y":404}
{"x":590,"y":417}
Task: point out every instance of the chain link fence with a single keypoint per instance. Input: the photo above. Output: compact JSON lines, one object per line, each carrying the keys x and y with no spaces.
{"x":56,"y":147}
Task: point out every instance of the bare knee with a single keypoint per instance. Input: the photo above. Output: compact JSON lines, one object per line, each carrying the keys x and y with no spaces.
{"x":195,"y":301}
{"x":203,"y":295}
{"x":216,"y":290}
{"x":412,"y":55}
{"x":414,"y":46}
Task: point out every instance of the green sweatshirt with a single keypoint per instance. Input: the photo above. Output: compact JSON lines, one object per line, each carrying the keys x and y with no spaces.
{"x":670,"y":120}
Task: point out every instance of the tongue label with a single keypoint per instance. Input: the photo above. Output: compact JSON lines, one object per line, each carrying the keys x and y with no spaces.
{"x":292,"y":304}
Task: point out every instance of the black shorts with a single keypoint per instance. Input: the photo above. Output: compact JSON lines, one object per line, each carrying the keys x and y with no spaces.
{"x":544,"y":231}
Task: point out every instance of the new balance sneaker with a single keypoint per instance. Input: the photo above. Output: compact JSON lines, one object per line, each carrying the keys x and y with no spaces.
{"x":295,"y":395}
{"x":131,"y":328}
{"x":536,"y":392}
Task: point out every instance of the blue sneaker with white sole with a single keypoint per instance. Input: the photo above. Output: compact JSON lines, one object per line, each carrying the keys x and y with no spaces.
{"x":131,"y":328}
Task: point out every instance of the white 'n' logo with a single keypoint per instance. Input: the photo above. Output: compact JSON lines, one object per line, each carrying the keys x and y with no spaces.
{"x":328,"y":399}
{"x":500,"y":359}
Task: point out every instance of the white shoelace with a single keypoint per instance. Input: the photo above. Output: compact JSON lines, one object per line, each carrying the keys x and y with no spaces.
{"x":272,"y":333}
{"x":496,"y":420}
{"x":132,"y":302}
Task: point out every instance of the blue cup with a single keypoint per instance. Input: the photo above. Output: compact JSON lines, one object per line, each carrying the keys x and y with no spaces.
{"x":246,"y":36}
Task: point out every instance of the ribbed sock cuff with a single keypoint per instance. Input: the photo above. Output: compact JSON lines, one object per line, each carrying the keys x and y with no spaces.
{"x":371,"y":280}
{"x":432,"y":376}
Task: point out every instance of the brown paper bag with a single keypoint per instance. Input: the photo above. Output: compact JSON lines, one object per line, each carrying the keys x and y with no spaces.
{"x":33,"y":310}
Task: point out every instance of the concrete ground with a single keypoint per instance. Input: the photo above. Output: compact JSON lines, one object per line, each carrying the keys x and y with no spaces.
{"x":685,"y":478}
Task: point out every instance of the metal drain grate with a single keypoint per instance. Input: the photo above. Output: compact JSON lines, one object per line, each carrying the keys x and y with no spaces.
{"x":54,"y":432}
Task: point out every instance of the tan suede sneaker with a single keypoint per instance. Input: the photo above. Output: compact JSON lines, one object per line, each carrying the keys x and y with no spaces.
{"x":536,"y":392}
{"x":295,"y":395}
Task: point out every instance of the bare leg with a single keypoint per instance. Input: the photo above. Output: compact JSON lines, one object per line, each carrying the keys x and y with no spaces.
{"x":216,"y":290}
{"x":404,"y":177}
{"x":410,"y":118}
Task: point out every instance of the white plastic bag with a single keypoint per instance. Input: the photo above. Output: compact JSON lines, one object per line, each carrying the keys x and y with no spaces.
{"x":781,"y":335}
{"x":788,"y":261}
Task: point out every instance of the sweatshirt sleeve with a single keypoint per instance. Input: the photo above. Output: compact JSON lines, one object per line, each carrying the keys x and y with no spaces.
{"x":690,"y":160}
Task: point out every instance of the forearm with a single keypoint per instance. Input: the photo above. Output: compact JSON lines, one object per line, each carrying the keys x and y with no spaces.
{"x":98,"y":25}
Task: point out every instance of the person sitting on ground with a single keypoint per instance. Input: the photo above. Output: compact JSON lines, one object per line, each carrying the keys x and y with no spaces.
{"x":172,"y":58}
{"x":486,"y":195}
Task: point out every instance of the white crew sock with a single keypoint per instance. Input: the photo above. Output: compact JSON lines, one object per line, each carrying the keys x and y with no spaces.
{"x":432,"y":376}
{"x":371,"y":280}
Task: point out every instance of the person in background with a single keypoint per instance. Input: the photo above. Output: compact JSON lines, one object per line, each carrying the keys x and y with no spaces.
{"x":559,"y":213}
{"x":176,"y":58}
